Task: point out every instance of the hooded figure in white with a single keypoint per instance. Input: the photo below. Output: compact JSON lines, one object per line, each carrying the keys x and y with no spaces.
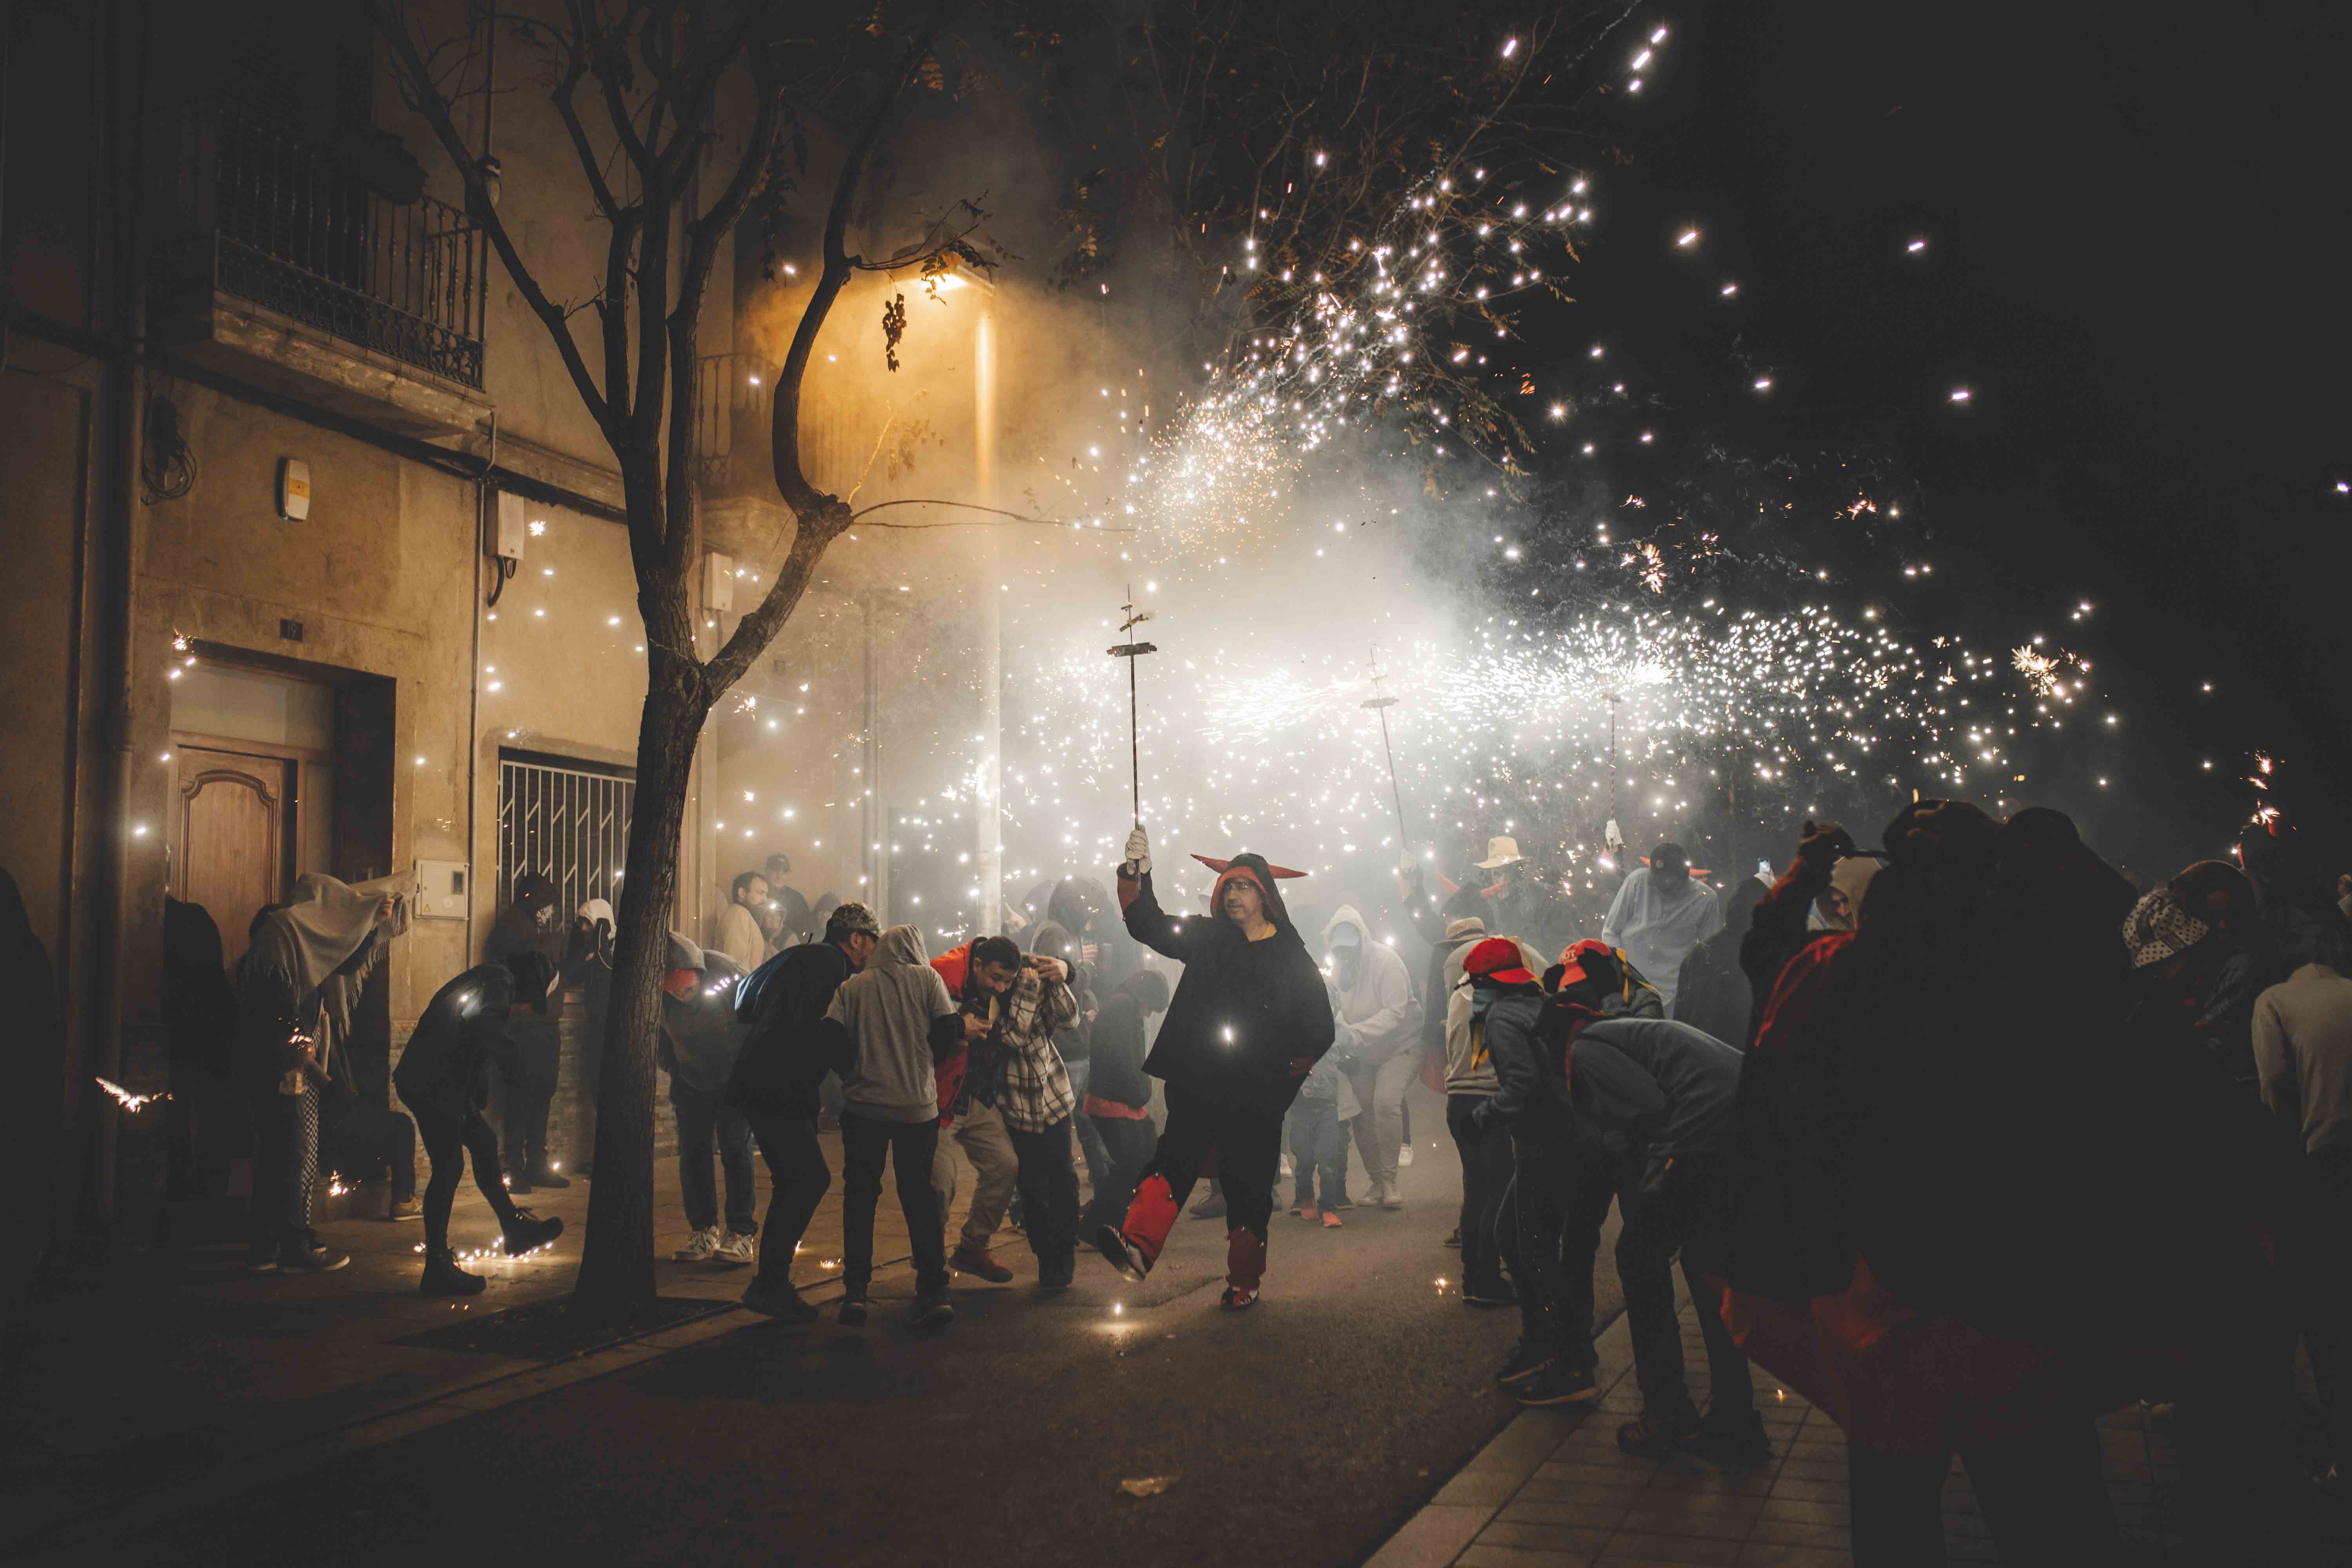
{"x":1659,"y":915}
{"x":1371,"y":1003}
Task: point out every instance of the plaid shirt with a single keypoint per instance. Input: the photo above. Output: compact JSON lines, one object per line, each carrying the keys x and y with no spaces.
{"x":1016,"y":1069}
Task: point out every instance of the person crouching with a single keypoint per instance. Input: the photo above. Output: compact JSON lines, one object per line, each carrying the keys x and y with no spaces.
{"x":1249,"y":1019}
{"x":1013,"y":1006}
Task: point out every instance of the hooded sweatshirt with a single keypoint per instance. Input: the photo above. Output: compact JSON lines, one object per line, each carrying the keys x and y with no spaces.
{"x":1244,"y":1010}
{"x":303,"y":970}
{"x":1657,"y":922}
{"x":700,"y":1036}
{"x":1469,"y":1065}
{"x":897,"y":1019}
{"x":1662,"y":1082}
{"x":462,"y":1032}
{"x":1376,"y":1010}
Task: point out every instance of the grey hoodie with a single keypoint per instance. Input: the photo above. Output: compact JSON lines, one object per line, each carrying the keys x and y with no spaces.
{"x":890,"y":1010}
{"x":1376,"y":1014}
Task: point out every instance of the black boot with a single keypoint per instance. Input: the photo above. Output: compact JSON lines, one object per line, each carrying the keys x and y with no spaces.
{"x":444,"y":1278}
{"x":526,"y":1232}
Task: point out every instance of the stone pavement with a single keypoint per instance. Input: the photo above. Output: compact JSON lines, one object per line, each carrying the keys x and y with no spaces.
{"x":1554,"y":1490}
{"x":135,"y":1389}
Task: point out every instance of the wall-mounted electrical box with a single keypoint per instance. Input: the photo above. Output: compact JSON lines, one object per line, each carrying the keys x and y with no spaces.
{"x":441,"y":890}
{"x":510,"y":527}
{"x":718,"y":581}
{"x":293,"y":489}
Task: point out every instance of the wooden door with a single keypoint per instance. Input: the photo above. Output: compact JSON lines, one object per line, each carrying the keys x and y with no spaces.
{"x":236,"y":815}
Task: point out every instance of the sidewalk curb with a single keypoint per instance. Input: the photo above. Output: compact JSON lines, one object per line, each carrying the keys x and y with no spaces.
{"x":75,"y":1537}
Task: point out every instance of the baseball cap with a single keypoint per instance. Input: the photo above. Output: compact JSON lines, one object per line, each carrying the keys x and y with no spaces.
{"x":1496,"y":959}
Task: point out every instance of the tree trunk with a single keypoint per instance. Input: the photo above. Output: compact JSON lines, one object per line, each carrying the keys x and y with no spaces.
{"x":616,"y":1259}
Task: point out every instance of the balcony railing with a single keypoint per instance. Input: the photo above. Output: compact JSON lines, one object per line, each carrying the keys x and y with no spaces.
{"x":295,"y":232}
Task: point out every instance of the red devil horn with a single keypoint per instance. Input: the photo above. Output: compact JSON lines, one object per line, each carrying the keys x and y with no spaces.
{"x":1216,"y":866}
{"x":1283,"y":871}
{"x":1449,"y":884}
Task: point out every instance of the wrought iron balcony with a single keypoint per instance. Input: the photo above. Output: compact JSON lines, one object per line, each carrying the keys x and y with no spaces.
{"x":295,"y":230}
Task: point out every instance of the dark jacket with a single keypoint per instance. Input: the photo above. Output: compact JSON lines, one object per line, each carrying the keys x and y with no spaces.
{"x":199,"y":1003}
{"x":462,"y":1032}
{"x":1665,"y":1084}
{"x":1711,"y":992}
{"x":1532,"y":1098}
{"x":701,"y":1035}
{"x":1117,"y":1072}
{"x":784,"y":1057}
{"x":1244,"y":1010}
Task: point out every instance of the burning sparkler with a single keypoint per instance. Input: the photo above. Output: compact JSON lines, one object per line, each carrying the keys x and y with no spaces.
{"x":128,"y":1100}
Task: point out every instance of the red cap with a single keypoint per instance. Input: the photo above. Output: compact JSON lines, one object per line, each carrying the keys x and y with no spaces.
{"x":1497,"y":959}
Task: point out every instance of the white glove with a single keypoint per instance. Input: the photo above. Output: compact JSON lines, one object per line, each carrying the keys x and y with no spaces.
{"x":1139,"y":851}
{"x":1408,"y":863}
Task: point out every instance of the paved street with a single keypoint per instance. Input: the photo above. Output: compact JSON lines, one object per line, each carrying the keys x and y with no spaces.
{"x":1300,"y":1432}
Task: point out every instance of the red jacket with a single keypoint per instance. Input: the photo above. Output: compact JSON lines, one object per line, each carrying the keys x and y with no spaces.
{"x":953,"y":965}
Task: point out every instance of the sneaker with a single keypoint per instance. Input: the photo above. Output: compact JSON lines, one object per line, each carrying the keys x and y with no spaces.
{"x":1391,"y":1199}
{"x":981,"y":1264}
{"x":699,"y":1246}
{"x":734,"y":1250}
{"x":1657,"y":1437}
{"x":545,"y":1177}
{"x":307,"y":1255}
{"x":1557,"y":1383}
{"x":261,"y":1257}
{"x":1298,"y":1208}
{"x":1344,"y":1203}
{"x":1455,"y":1239}
{"x":932,"y":1310}
{"x":1210,"y":1208}
{"x":1740,"y":1443}
{"x":1498,"y":1294}
{"x":1527,"y":1361}
{"x":1330,"y":1219}
{"x":1405,"y":1154}
{"x":1238,"y":1298}
{"x":853,"y":1311}
{"x":410,"y":1207}
{"x":444,"y":1278}
{"x":1378,"y":1197}
{"x":1053,"y":1278}
{"x":529,"y":1233}
{"x":518,"y":1183}
{"x":1128,"y":1259}
{"x":1308,"y":1212}
{"x":778,"y":1300}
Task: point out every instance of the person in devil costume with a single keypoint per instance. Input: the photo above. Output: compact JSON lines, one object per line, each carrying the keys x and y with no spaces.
{"x":1250,"y":1016}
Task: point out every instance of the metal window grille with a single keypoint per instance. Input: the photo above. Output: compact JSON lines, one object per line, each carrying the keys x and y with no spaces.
{"x":293,"y":233}
{"x":567,"y":821}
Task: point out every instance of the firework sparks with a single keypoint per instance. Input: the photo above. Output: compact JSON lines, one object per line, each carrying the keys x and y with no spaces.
{"x":128,"y":1100}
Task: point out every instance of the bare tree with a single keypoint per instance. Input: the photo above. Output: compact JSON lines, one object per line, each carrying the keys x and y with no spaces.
{"x":638,"y":86}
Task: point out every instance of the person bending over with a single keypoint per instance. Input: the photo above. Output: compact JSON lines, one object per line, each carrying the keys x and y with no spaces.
{"x":443,"y":1078}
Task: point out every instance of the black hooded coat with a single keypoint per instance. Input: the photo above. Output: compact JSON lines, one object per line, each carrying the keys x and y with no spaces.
{"x":1244,"y":1010}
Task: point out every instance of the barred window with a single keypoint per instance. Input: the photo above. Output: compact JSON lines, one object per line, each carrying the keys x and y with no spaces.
{"x":568,"y":820}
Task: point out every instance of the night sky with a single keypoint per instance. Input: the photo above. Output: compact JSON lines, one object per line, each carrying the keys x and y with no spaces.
{"x":2135,"y":262}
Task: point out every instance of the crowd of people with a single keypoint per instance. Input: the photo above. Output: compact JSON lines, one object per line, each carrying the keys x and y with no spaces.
{"x":1963,"y":1137}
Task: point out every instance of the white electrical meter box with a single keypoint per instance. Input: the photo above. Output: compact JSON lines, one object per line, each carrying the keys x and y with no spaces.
{"x":293,"y":489}
{"x":441,"y":890}
{"x":718,"y":585}
{"x":509,"y":529}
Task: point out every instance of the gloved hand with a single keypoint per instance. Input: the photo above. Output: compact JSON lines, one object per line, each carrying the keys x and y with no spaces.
{"x":1408,"y":863}
{"x":1139,"y":852}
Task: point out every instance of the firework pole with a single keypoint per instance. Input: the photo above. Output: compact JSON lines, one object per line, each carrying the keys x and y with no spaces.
{"x":1380,"y":703}
{"x":1130,"y":651}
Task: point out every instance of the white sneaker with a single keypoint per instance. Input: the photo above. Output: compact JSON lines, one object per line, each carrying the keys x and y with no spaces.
{"x":734,"y":1250}
{"x":1405,"y":1155}
{"x":699,"y":1246}
{"x":1289,"y":1167}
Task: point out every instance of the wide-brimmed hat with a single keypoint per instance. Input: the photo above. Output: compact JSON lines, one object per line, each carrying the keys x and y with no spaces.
{"x":1468,"y":925}
{"x":1501,"y":852}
